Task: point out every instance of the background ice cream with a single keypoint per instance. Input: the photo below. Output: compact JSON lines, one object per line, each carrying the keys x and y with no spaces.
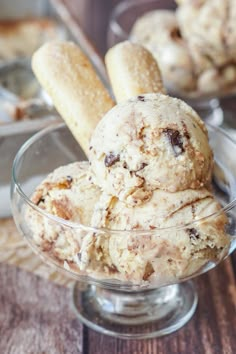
{"x":195,"y":46}
{"x":159,"y":32}
{"x":210,"y":29}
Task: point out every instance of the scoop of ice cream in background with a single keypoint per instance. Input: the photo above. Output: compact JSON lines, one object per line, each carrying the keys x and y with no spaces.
{"x":194,"y":46}
{"x":162,"y":254}
{"x":159,"y":32}
{"x":149,"y":142}
{"x":209,"y":27}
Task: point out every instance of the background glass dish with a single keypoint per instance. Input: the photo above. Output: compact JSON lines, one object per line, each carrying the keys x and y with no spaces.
{"x":14,"y":133}
{"x":121,"y":21}
{"x":110,"y":306}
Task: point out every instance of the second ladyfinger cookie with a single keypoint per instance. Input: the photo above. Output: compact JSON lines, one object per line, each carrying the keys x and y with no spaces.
{"x":132,"y":71}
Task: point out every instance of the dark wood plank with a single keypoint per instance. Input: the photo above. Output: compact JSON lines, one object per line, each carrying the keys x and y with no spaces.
{"x":211,"y":331}
{"x":35,"y":316}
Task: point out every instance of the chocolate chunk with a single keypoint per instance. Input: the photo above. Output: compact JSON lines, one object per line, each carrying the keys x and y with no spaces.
{"x":193,"y":208}
{"x":175,"y":34}
{"x":151,"y":227}
{"x":141,"y":98}
{"x":193,"y":234}
{"x":41,"y":200}
{"x":112,"y":269}
{"x":143,"y":165}
{"x":69,"y":179}
{"x":186,"y":133}
{"x":111,"y":159}
{"x":175,"y":139}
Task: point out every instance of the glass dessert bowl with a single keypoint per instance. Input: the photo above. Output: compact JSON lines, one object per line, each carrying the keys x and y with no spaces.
{"x":104,"y":297}
{"x":205,"y":102}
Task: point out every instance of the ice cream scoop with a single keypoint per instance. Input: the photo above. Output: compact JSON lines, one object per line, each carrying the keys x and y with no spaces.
{"x":159,"y":32}
{"x":162,"y":254}
{"x":66,"y":193}
{"x":194,"y":46}
{"x":209,"y":27}
{"x":148,"y":142}
{"x":157,"y":242}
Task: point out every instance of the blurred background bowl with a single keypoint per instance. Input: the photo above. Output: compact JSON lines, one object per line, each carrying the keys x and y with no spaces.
{"x":208,"y":105}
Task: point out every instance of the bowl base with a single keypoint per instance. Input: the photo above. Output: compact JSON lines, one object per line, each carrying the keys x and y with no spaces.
{"x":138,"y":314}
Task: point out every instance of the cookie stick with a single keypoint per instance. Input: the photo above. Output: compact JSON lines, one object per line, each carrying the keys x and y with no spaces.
{"x":132,"y":71}
{"x":78,"y":94}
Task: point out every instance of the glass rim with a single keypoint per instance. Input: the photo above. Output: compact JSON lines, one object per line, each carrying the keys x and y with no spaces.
{"x":58,"y":125}
{"x":118,"y":9}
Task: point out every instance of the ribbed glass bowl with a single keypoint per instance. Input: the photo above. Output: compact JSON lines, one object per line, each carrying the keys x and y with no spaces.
{"x":108,"y":303}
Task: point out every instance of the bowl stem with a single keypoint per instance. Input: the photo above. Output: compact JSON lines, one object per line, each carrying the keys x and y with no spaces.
{"x":138,"y":314}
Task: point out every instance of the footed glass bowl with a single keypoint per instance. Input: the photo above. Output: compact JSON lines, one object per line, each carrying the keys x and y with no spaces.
{"x":207,"y":105}
{"x":107,"y":301}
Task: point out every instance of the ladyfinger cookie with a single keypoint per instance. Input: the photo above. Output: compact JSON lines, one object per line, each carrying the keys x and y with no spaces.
{"x":132,"y":71}
{"x":78,"y":94}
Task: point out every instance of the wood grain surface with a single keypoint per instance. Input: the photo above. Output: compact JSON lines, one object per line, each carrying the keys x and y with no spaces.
{"x":35,"y":316}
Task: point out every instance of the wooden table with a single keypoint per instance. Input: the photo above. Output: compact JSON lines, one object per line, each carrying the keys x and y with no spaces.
{"x":36,"y":316}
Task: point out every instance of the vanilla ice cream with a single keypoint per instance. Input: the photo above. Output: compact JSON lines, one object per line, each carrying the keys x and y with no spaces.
{"x":161,"y":255}
{"x":149,"y":142}
{"x":66,"y":193}
{"x":195,"y":46}
{"x":159,"y":32}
